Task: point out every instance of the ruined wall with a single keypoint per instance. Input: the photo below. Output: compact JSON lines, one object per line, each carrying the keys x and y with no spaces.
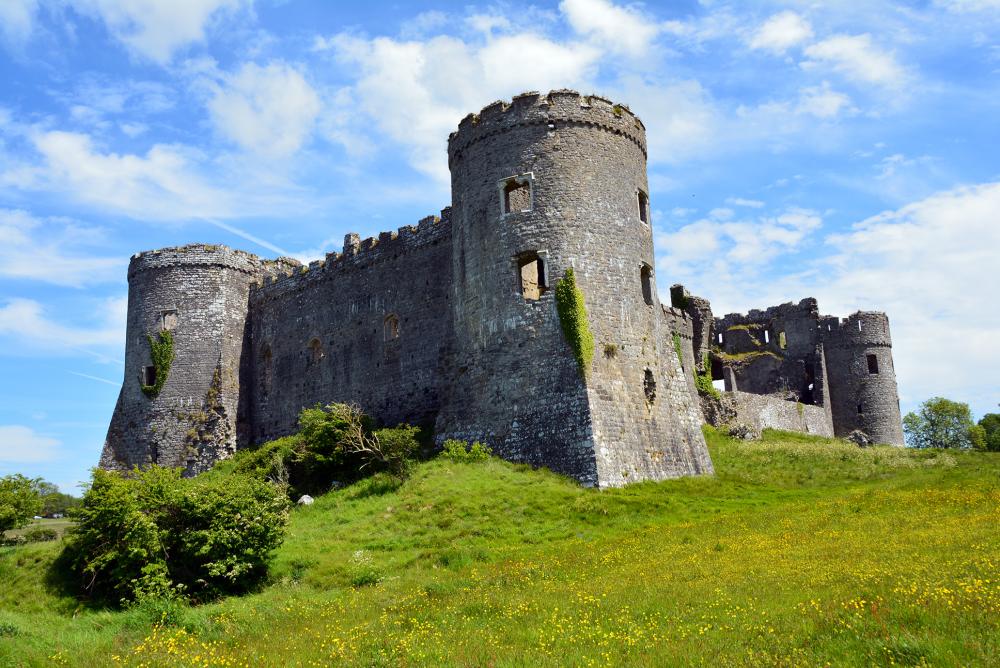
{"x":516,"y":384}
{"x":862,"y":397}
{"x":766,"y":411}
{"x":367,"y":326}
{"x":199,"y":293}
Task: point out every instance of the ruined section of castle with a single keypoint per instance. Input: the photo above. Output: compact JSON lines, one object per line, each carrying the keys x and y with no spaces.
{"x":453,"y":324}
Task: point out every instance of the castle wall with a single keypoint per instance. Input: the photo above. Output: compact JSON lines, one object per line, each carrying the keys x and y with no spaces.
{"x":326,"y":333}
{"x":517,"y":385}
{"x":766,"y":411}
{"x":861,"y":399}
{"x":200,"y":293}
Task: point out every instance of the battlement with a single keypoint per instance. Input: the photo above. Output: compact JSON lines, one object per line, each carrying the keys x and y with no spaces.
{"x":805,"y":308}
{"x":558,"y":107}
{"x":861,"y":328}
{"x":290,"y":276}
{"x":206,"y":255}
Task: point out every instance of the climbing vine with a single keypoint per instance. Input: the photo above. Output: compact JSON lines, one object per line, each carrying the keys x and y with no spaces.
{"x":162,"y":353}
{"x":703,"y":380}
{"x":677,"y":348}
{"x":573,"y":318}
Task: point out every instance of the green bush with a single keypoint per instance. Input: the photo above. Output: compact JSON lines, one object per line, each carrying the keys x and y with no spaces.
{"x":941,"y":423}
{"x":19,"y":501}
{"x":703,"y":380}
{"x":39,"y":534}
{"x":156,"y":535}
{"x":460,"y":451}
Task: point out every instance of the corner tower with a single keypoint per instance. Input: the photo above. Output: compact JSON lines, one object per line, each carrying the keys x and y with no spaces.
{"x":862,"y":379}
{"x":543,"y":185}
{"x":191,"y":304}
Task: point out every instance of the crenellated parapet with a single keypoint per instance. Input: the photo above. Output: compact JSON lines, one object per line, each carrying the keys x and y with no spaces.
{"x":195,"y":255}
{"x":863,"y":328}
{"x":557,"y":108}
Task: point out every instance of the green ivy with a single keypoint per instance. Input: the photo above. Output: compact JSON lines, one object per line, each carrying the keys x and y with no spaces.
{"x":162,"y":353}
{"x":703,"y":380}
{"x":573,"y":318}
{"x":677,"y":347}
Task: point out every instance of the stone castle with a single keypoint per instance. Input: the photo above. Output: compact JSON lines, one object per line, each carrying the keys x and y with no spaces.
{"x":453,"y":324}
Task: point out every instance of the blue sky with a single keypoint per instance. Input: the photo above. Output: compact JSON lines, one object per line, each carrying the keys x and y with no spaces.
{"x":847,"y":151}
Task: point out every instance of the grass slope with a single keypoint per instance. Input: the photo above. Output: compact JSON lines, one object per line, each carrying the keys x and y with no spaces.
{"x":800,"y":551}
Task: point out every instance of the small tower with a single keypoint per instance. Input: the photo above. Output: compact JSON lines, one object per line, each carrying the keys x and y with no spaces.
{"x":862,"y":379}
{"x":544,"y":185}
{"x":192,"y":299}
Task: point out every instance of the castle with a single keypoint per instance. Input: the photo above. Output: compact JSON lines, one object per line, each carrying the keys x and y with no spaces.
{"x":454,"y":323}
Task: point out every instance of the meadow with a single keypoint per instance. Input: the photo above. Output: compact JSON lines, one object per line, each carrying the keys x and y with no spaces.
{"x":800,"y":551}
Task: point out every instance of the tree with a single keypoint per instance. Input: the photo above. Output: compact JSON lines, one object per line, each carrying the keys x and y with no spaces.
{"x":991,"y":426}
{"x":19,"y":501}
{"x":940,"y":423}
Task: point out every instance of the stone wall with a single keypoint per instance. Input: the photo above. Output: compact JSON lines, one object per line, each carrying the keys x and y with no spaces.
{"x":767,"y":412}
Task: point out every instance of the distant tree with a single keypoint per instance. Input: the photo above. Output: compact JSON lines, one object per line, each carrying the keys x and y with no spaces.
{"x":53,"y":501}
{"x":19,"y":501}
{"x":991,"y":428}
{"x":940,"y":423}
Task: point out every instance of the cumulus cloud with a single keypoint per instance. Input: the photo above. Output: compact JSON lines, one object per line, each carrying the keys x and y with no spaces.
{"x":781,"y":32}
{"x":823,"y":102}
{"x":858,"y":59}
{"x":26,"y":323}
{"x":23,"y":445}
{"x":157,"y":29}
{"x":617,"y":29}
{"x":42,"y":250}
{"x":270,"y":110}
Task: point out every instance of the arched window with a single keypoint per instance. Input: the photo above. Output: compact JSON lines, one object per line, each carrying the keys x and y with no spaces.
{"x":315,"y":351}
{"x":643,"y":202}
{"x":390,"y":327}
{"x":646,"y":276}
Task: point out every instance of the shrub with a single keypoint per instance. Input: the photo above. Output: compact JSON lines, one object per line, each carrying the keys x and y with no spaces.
{"x":941,"y":423}
{"x":157,"y":535}
{"x":460,"y":451}
{"x":19,"y":501}
{"x":40,"y":534}
{"x":362,"y":570}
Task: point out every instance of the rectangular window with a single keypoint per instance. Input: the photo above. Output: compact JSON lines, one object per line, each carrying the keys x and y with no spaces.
{"x":531,"y":276}
{"x":643,"y":202}
{"x":872,"y":364}
{"x":168,"y":320}
{"x":149,"y":375}
{"x":515,"y":194}
{"x":646,"y":276}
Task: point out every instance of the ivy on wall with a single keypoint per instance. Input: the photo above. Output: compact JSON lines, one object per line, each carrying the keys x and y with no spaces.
{"x":703,"y":380}
{"x":573,"y":318}
{"x":162,"y":353}
{"x":677,"y":348}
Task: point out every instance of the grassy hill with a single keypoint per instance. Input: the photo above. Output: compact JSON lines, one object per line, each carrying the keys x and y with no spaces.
{"x":800,"y":551}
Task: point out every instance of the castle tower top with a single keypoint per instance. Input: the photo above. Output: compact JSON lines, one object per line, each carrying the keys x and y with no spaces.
{"x":558,"y":107}
{"x":202,"y":255}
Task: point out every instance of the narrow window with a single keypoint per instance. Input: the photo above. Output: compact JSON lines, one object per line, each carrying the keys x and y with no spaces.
{"x":643,"y":202}
{"x":782,"y":341}
{"x":516,"y":194}
{"x":646,"y":276}
{"x":649,"y":385}
{"x":315,"y":351}
{"x":872,"y":364}
{"x":859,"y":325}
{"x":861,"y":409}
{"x":149,"y":375}
{"x":168,"y":320}
{"x":767,"y":336}
{"x":720,"y":338}
{"x":531,"y":275}
{"x":390,"y":327}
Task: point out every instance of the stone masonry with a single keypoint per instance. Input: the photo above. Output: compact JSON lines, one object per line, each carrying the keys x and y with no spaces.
{"x":452,"y":323}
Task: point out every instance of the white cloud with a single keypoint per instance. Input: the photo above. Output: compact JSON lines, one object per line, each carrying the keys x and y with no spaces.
{"x":617,"y":29}
{"x":823,"y":102}
{"x":969,"y":6}
{"x":23,"y":445}
{"x":156,"y":29}
{"x":858,"y":59}
{"x":739,"y":201}
{"x":160,"y":185}
{"x":16,"y":19}
{"x":781,"y":32}
{"x":270,"y":110}
{"x":680,"y":117}
{"x":25,"y":322}
{"x":42,"y":250}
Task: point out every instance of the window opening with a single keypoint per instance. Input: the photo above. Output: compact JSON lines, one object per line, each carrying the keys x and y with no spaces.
{"x":859,"y":325}
{"x":646,"y":276}
{"x":149,"y":375}
{"x":782,"y":341}
{"x":649,"y":385}
{"x":643,"y":202}
{"x":315,"y":351}
{"x":390,"y":328}
{"x":720,"y":338}
{"x":531,"y":275}
{"x":767,"y":336}
{"x":168,"y":320}
{"x":861,"y":409}
{"x":872,"y":364}
{"x":516,"y":195}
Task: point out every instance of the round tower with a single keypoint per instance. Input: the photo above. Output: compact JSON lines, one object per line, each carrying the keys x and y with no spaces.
{"x":541,"y":186}
{"x":187,"y":311}
{"x":862,"y":379}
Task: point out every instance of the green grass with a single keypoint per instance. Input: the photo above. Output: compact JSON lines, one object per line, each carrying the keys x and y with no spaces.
{"x":59,"y":525}
{"x":800,"y":551}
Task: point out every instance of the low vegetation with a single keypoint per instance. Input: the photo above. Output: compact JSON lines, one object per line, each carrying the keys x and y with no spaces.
{"x":799,"y":551}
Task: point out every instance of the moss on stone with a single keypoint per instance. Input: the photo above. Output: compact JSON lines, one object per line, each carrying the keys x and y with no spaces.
{"x":703,"y":380}
{"x":573,"y":318}
{"x":743,"y":358}
{"x":677,"y":349}
{"x":162,"y":353}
